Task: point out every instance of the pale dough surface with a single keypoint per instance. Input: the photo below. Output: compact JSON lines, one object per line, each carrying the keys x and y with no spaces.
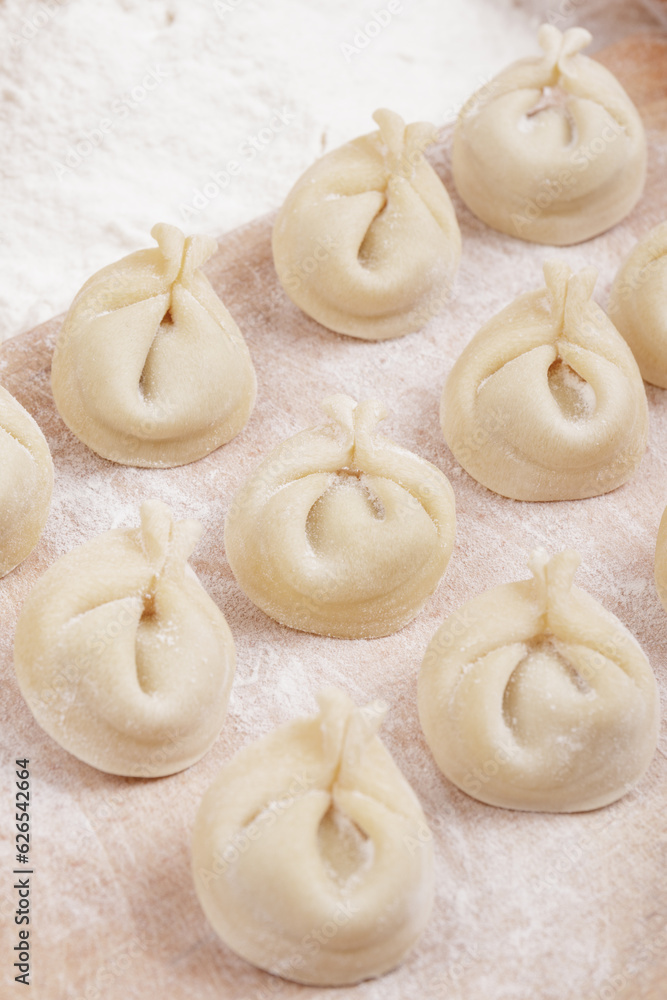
{"x":26,"y":482}
{"x":638,"y":304}
{"x":150,"y":369}
{"x":340,"y":531}
{"x":552,"y":149}
{"x":547,"y":402}
{"x":532,"y":696}
{"x":367,"y":241}
{"x":310,"y":852}
{"x":121,"y":654}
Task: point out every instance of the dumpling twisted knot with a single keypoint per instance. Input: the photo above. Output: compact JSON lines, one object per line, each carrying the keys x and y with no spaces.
{"x":311,"y":854}
{"x":339,"y":531}
{"x":149,"y":367}
{"x":533,"y":696}
{"x":547,"y":402}
{"x":121,"y":654}
{"x":552,"y":150}
{"x":367,"y":241}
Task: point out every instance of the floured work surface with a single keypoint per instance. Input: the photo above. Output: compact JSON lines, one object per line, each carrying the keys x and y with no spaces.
{"x":528,"y":906}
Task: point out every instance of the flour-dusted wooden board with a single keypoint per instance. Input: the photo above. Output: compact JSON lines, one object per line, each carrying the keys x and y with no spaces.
{"x":529,"y":907}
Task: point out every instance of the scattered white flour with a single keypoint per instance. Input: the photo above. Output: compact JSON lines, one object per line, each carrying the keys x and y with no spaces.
{"x":116,"y":114}
{"x":528,"y":905}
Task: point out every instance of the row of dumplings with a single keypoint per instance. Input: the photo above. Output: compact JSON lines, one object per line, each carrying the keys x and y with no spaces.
{"x":552,"y":150}
{"x":545,"y":403}
{"x":532,"y":696}
{"x":150,"y":369}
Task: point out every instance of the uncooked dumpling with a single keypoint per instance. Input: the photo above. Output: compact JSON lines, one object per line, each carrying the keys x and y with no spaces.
{"x":552,"y":150}
{"x":367,"y":242}
{"x":121,"y":654}
{"x":638,"y":305}
{"x":533,"y":696}
{"x":546,"y":402}
{"x":149,"y":367}
{"x":339,"y":531}
{"x":311,"y":854}
{"x":26,"y":481}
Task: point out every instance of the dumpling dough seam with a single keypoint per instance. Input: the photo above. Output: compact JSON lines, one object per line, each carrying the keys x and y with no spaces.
{"x":138,"y":598}
{"x":433,"y":517}
{"x":137,"y":595}
{"x":543,"y":577}
{"x":353,"y":429}
{"x":329,"y":790}
{"x":572,"y":43}
{"x":127,"y":305}
{"x":548,"y":634}
{"x":216,"y":319}
{"x":197,"y":303}
{"x":371,"y":727}
{"x":559,"y":357}
{"x":19,"y":442}
{"x":358,"y":473}
{"x":516,"y":446}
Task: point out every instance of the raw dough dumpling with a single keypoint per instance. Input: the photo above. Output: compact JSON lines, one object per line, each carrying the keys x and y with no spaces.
{"x":121,"y":654}
{"x":546,"y":402}
{"x":638,"y":305}
{"x":339,"y":531}
{"x":26,"y":482}
{"x":311,"y":854}
{"x":367,"y":242}
{"x":149,"y":367}
{"x":552,"y":150}
{"x":533,"y":696}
